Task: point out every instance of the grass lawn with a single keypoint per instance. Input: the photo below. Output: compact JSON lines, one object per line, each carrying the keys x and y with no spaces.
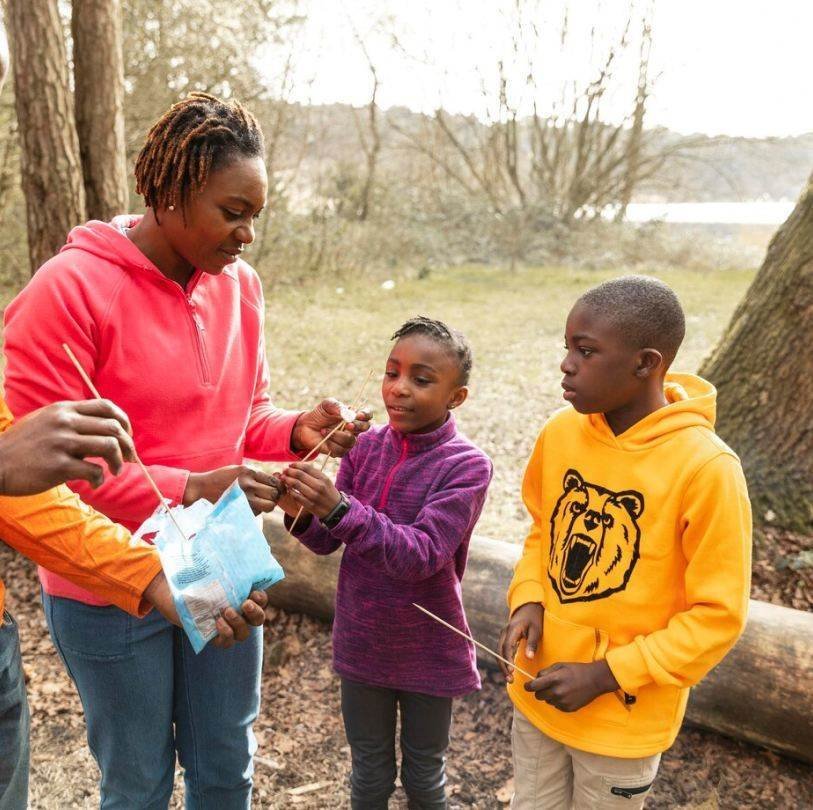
{"x":322,"y":342}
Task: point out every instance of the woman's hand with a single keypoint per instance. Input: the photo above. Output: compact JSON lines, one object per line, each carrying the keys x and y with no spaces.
{"x":312,"y":426}
{"x":525,"y":622}
{"x":310,"y":488}
{"x":262,"y":490}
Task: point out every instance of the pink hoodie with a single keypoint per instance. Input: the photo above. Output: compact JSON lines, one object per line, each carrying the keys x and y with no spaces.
{"x":188,"y":366}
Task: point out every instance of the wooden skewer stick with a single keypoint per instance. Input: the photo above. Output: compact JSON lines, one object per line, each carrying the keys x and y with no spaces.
{"x":474,"y":641}
{"x":140,"y":463}
{"x":356,"y":405}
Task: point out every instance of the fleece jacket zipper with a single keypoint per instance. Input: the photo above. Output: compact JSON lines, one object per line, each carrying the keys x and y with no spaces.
{"x":382,"y":502}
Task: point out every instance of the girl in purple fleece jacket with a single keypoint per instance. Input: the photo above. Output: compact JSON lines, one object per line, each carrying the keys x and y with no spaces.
{"x":404,"y":506}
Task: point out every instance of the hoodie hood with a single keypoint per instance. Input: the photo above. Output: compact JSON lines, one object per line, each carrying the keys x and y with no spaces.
{"x":108,"y":241}
{"x":692,"y":403}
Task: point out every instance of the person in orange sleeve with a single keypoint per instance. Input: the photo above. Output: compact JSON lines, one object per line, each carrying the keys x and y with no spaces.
{"x":45,"y":521}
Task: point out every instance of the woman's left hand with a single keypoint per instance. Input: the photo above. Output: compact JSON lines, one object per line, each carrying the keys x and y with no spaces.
{"x":312,"y":426}
{"x":310,"y":488}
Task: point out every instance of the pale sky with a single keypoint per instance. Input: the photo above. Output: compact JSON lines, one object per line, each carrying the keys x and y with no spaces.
{"x":722,"y":66}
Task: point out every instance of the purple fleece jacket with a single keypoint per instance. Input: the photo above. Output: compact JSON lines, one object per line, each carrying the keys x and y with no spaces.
{"x":414,"y":500}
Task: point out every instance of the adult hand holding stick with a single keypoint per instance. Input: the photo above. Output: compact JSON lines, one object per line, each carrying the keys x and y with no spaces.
{"x":49,"y":446}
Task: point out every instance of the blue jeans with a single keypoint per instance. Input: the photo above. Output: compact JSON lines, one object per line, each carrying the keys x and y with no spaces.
{"x":15,"y":724}
{"x":147,"y":695}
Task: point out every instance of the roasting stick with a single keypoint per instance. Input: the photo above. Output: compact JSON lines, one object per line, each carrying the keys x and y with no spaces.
{"x":474,"y":641}
{"x":140,"y":463}
{"x":312,"y":454}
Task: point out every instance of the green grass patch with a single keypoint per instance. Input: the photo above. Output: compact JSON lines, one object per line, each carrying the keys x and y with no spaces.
{"x":322,"y":342}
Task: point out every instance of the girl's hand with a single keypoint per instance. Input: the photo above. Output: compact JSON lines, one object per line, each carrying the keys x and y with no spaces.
{"x":310,"y":488}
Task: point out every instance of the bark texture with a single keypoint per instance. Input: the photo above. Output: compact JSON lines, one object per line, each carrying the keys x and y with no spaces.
{"x":99,"y":104}
{"x":763,"y":371}
{"x":760,"y":693}
{"x":51,"y":172}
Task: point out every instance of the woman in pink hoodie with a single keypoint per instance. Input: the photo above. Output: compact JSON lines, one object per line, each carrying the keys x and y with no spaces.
{"x":168,"y":321}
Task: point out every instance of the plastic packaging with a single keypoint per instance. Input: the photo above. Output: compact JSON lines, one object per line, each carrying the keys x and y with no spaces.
{"x":223,"y":559}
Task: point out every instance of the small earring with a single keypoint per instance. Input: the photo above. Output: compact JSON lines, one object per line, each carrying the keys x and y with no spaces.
{"x":171,"y":207}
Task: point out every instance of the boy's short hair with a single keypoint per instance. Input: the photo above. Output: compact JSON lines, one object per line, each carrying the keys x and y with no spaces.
{"x":644,"y":310}
{"x":450,"y":339}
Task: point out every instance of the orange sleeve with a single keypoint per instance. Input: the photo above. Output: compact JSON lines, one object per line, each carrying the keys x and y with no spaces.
{"x":58,"y":531}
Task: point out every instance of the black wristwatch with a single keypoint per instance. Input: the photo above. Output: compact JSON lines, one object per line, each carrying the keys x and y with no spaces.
{"x":332,"y":518}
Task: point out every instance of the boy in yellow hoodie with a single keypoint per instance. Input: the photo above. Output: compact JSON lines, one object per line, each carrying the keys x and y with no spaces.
{"x":634,"y":578}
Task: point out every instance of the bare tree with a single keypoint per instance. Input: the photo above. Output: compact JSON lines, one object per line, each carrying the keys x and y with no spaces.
{"x":369,"y":137}
{"x":99,"y":104}
{"x":763,"y":373}
{"x":51,"y":171}
{"x":560,"y":157}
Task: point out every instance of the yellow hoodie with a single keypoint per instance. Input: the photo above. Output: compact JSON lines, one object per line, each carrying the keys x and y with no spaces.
{"x":640,"y":553}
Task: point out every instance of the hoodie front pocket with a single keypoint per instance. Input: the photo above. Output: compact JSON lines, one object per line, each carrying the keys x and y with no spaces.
{"x":565,"y":642}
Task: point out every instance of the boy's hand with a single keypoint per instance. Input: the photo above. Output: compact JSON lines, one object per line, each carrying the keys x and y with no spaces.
{"x":312,"y":426}
{"x":568,"y":687}
{"x":48,"y":446}
{"x":231,"y":627}
{"x":525,"y":622}
{"x":310,"y":488}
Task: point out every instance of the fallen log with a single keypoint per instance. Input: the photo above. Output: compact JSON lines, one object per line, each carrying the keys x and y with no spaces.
{"x":761,"y":693}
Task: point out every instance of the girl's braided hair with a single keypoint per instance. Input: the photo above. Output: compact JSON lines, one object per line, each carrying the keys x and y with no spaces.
{"x":450,"y":339}
{"x":191,"y":139}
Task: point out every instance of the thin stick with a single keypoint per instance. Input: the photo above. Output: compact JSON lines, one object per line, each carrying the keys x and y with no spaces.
{"x":474,"y":641}
{"x":356,"y":405}
{"x":144,"y":470}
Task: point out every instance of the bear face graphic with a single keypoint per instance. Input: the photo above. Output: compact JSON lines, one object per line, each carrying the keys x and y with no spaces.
{"x":594,"y":539}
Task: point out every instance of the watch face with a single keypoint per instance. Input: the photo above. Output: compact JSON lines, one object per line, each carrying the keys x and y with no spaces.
{"x":339,"y":511}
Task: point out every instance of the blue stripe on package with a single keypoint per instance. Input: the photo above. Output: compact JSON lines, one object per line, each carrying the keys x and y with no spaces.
{"x":223,"y":560}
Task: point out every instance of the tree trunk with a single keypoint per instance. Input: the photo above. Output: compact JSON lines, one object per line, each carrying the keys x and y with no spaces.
{"x":51,"y":172}
{"x":764,"y":376}
{"x":4,"y":55}
{"x":773,"y":660}
{"x":98,"y":68}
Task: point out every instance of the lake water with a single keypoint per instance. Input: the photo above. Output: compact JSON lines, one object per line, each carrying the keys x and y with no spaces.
{"x":770,"y":212}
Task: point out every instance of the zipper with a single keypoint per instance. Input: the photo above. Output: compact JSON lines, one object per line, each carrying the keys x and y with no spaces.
{"x":627,"y":701}
{"x":200,"y":343}
{"x":382,"y":501}
{"x":629,"y":792}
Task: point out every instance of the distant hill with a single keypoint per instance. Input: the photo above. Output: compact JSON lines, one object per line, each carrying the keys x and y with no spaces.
{"x":734,"y":169}
{"x":713,"y":169}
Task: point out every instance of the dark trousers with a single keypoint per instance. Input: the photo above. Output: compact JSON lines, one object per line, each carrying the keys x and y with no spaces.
{"x":369,"y":719}
{"x":14,"y":720}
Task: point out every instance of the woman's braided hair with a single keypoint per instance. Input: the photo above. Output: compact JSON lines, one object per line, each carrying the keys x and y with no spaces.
{"x":191,"y":139}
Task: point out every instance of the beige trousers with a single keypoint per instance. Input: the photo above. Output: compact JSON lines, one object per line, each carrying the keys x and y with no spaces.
{"x":551,"y":776}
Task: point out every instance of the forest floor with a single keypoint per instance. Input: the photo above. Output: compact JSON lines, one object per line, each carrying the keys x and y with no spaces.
{"x":303,"y":759}
{"x":322,"y":341}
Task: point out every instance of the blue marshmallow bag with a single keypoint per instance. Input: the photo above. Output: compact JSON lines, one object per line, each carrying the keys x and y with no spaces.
{"x":223,"y":560}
